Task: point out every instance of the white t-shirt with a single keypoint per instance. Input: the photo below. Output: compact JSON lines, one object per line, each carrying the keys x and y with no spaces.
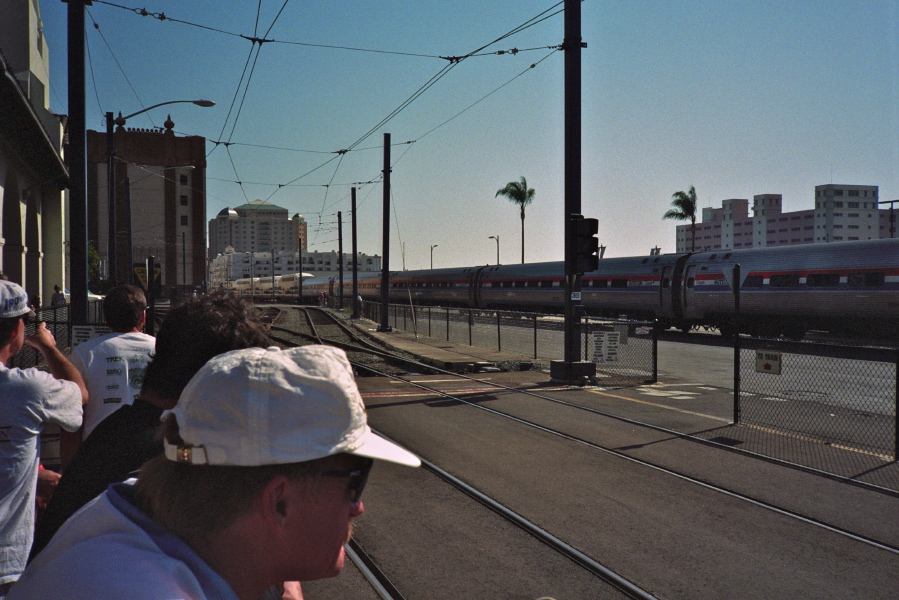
{"x":110,"y":549}
{"x":113,"y":369}
{"x":29,"y":398}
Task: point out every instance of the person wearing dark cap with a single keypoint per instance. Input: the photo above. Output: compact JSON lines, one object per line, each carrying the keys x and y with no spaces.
{"x":29,"y":399}
{"x":266,"y":456}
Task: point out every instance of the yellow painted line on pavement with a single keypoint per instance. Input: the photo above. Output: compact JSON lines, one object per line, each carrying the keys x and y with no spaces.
{"x":680,"y":410}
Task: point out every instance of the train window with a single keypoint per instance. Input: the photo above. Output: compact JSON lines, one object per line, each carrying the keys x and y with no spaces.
{"x":666,"y":282}
{"x":600,"y":283}
{"x":784,"y":280}
{"x":547,"y":284}
{"x":712,"y":257}
{"x":753,"y":281}
{"x":507,"y":284}
{"x":689,"y":283}
{"x":865,"y":279}
{"x":520,"y":283}
{"x":645,"y":260}
{"x":822,"y":280}
{"x":533,"y":283}
{"x":619,"y":283}
{"x":494,"y":284}
{"x":726,"y":256}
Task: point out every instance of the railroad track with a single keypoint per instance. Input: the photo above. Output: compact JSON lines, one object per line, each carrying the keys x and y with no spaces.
{"x":586,"y":562}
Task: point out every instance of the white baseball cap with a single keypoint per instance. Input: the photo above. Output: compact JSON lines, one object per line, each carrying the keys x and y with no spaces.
{"x":259,"y":406}
{"x":13,"y":301}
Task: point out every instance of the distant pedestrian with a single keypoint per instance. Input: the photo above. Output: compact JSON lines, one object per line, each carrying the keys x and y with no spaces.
{"x":29,"y":399}
{"x":58,"y":298}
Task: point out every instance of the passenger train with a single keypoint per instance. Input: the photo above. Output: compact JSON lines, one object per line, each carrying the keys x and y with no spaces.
{"x":845,"y":286}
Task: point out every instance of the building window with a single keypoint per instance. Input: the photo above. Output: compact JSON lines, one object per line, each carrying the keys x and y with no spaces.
{"x":184,"y":220}
{"x":183,"y":199}
{"x":183,"y":179}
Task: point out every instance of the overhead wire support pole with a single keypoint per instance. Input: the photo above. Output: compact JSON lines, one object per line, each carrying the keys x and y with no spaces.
{"x":385,"y":242}
{"x":111,"y":193}
{"x":77,"y":163}
{"x":572,"y":369}
{"x":356,"y":306}
{"x":340,"y":253}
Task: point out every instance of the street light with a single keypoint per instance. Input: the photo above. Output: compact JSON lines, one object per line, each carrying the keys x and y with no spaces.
{"x":496,"y":237}
{"x":432,"y":255}
{"x":110,"y":171}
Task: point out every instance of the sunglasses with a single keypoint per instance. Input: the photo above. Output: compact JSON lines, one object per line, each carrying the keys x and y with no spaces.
{"x":357,"y":477}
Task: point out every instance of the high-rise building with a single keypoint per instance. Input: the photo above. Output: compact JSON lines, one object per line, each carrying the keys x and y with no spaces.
{"x":841,"y":213}
{"x":160,"y":181}
{"x":257,"y":226}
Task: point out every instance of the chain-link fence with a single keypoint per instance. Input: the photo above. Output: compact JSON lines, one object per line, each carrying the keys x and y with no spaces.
{"x":59,"y":323}
{"x":624,"y":351}
{"x":824,"y":406}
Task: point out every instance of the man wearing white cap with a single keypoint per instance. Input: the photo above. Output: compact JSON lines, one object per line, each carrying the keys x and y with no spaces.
{"x":266,"y":456}
{"x":29,"y":398}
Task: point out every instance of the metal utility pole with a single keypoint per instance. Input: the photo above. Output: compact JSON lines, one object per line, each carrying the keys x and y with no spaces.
{"x":356,"y":306}
{"x":111,"y":193}
{"x":572,"y":369}
{"x":76,"y":154}
{"x":340,"y":253}
{"x":385,"y":242}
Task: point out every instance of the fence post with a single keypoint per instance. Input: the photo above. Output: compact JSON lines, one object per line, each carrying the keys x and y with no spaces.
{"x":655,"y":352}
{"x":447,"y":323}
{"x":429,"y":321}
{"x":499,"y":335}
{"x":736,"y":284}
{"x":896,"y":409}
{"x":535,"y":336}
{"x":469,"y":327}
{"x":586,"y":337}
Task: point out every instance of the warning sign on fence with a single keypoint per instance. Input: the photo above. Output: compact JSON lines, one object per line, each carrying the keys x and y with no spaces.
{"x":606,"y":345}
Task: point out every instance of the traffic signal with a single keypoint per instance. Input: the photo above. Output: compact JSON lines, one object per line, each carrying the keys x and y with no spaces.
{"x":586,"y":245}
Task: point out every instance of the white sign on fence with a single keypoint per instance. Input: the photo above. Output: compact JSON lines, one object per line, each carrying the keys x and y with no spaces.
{"x":605,"y":346}
{"x":767,"y":361}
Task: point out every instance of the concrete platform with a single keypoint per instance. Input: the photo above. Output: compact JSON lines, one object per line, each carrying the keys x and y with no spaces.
{"x":444,"y":354}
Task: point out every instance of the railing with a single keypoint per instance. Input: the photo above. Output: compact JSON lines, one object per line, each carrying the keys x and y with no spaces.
{"x":624,"y":351}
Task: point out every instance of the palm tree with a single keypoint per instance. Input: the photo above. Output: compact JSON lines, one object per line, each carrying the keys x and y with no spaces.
{"x":518,"y":192}
{"x":684,"y":204}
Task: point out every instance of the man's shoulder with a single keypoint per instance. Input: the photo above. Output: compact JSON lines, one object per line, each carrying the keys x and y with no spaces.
{"x":105,"y":554}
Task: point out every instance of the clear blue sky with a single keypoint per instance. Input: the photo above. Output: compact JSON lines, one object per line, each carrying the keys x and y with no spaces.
{"x":734,"y":97}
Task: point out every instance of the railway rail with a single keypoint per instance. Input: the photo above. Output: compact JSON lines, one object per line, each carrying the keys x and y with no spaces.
{"x":546,"y":426}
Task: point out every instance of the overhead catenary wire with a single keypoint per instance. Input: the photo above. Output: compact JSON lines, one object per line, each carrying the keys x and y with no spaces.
{"x":253,"y":57}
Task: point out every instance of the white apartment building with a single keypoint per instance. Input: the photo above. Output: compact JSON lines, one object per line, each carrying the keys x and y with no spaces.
{"x":841,"y":213}
{"x":232,"y":265}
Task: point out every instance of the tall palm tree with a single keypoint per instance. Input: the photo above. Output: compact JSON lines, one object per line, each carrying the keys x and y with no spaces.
{"x":518,"y":192}
{"x":684,"y":204}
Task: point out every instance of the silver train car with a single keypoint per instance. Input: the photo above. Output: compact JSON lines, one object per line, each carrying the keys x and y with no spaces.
{"x":847,"y":287}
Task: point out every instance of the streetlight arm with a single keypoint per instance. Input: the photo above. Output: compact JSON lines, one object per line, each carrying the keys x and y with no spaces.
{"x":203,"y":103}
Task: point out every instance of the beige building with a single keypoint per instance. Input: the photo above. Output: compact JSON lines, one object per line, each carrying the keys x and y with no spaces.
{"x":257,"y":226}
{"x":160,"y":203}
{"x":841,"y":213}
{"x":33,"y":175}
